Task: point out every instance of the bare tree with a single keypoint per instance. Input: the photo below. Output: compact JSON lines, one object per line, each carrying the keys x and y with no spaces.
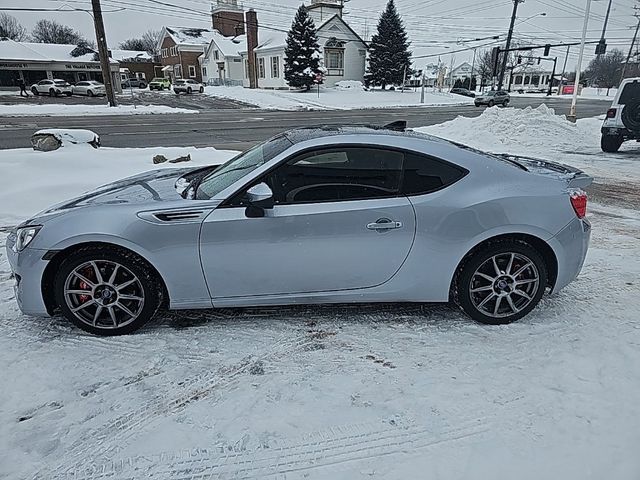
{"x":484,"y":65}
{"x":604,"y":70}
{"x":50,"y":31}
{"x":11,"y":28}
{"x":147,"y":43}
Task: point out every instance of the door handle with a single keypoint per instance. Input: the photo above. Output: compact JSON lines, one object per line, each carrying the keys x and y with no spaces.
{"x":384,"y":224}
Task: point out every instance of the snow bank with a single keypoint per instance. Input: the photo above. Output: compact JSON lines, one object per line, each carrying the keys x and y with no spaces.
{"x":540,"y":132}
{"x":350,"y":85}
{"x":335,"y":98}
{"x":32,"y":181}
{"x":58,"y":109}
{"x":70,"y":136}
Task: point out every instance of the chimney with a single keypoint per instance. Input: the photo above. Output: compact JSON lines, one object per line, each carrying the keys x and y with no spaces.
{"x":252,"y":43}
{"x":227,"y":18}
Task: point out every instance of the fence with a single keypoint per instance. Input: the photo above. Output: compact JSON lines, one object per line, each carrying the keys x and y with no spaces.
{"x":224,"y":82}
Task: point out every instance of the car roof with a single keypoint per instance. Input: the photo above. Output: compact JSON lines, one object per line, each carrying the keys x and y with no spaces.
{"x":303,"y":134}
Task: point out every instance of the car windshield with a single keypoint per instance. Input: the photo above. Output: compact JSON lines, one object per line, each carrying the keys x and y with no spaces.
{"x":60,"y":82}
{"x":491,"y":93}
{"x":239,"y":166}
{"x":158,"y":79}
{"x":179,"y":82}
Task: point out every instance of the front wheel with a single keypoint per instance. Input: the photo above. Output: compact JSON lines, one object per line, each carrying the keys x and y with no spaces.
{"x":90,"y":93}
{"x":501,"y":283}
{"x":201,"y":89}
{"x":505,"y":103}
{"x":107,"y":292}
{"x":35,"y":91}
{"x":491,"y":103}
{"x":610,"y":143}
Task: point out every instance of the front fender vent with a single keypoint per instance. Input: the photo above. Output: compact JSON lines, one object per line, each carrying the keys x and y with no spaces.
{"x":179,"y":216}
{"x":174,"y":216}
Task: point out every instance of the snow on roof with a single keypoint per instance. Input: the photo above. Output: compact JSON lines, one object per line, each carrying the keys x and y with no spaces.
{"x":41,"y":52}
{"x":229,"y":46}
{"x":122,"y":55}
{"x":271,"y":39}
{"x":191,"y":36}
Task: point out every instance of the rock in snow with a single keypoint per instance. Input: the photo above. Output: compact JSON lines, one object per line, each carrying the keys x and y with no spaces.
{"x":54,"y":138}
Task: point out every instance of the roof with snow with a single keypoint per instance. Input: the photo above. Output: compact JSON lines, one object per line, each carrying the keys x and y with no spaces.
{"x":135,"y":55}
{"x":44,"y":52}
{"x":229,"y":46}
{"x":191,"y":36}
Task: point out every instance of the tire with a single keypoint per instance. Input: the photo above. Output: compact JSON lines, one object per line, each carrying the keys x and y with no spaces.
{"x":201,"y":89}
{"x":90,"y":93}
{"x":161,"y":87}
{"x":631,"y":116}
{"x":481,"y":305}
{"x":52,"y":93}
{"x":189,"y":91}
{"x":505,"y":103}
{"x":135,"y":277}
{"x":35,"y":91}
{"x":142,"y":85}
{"x":68,"y":94}
{"x":491,"y":103}
{"x":610,"y":143}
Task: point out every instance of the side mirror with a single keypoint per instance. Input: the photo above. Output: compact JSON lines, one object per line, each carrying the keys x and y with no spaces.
{"x":259,"y":193}
{"x":260,"y":197}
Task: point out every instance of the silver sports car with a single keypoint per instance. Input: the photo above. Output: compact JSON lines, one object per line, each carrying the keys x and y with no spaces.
{"x":314,"y":215}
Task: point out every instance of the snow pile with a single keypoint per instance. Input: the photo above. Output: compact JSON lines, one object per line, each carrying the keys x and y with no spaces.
{"x":32,"y":181}
{"x":350,"y":85}
{"x":540,"y":133}
{"x":71,"y":136}
{"x":594,"y":92}
{"x":58,"y":109}
{"x":500,"y":129}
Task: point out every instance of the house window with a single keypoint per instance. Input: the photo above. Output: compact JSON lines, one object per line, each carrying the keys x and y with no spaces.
{"x":216,"y":56}
{"x":334,"y":61}
{"x":177,"y":71}
{"x":163,"y":53}
{"x":192,"y":71}
{"x":246,"y":69}
{"x":275,"y":67}
{"x":535,"y":80}
{"x":140,"y":75}
{"x":204,"y":72}
{"x":518,"y":80}
{"x":261,"y":71}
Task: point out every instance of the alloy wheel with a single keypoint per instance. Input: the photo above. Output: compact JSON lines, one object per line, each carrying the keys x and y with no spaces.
{"x":504,"y":285}
{"x":104,"y":294}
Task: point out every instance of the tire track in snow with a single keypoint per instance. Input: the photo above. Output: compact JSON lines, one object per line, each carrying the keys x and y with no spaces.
{"x":109,"y":438}
{"x":337,"y":445}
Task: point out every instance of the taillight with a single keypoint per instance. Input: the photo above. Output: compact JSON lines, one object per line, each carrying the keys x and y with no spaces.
{"x":579,"y":203}
{"x":611,"y":113}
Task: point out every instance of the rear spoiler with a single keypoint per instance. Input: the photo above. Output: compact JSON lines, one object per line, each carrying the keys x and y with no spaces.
{"x":574,"y":177}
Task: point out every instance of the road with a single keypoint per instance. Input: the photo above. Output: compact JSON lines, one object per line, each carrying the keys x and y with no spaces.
{"x":238,"y":129}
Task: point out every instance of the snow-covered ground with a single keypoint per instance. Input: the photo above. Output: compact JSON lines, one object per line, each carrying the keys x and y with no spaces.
{"x":335,"y":98}
{"x":388,"y":392}
{"x":62,"y":110}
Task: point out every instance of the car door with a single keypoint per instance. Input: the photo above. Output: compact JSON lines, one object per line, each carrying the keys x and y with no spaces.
{"x":43,"y":86}
{"x":338,"y":223}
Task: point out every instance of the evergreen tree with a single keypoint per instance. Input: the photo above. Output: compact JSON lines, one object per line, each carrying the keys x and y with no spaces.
{"x":302,"y":52}
{"x":389,"y":53}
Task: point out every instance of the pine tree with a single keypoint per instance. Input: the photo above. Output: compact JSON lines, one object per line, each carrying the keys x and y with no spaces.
{"x":302,"y":52}
{"x":389,"y":53}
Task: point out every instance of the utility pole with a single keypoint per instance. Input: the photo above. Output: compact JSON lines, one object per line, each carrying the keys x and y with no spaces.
{"x":473,"y":64}
{"x":635,"y":36}
{"x":509,"y":35}
{"x":602,"y":45}
{"x":103,"y":52}
{"x":564,"y":69}
{"x":572,"y":111}
{"x":422,"y":86}
{"x":553,"y":74}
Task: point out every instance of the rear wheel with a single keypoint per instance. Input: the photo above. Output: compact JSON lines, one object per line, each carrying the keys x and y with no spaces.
{"x":491,"y":103}
{"x":501,"y":283}
{"x":107,"y":292}
{"x":505,"y":103}
{"x":610,"y":143}
{"x":201,"y":89}
{"x":90,"y":93}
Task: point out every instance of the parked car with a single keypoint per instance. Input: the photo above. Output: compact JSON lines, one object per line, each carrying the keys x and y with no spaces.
{"x":622,"y":122}
{"x":134,"y":83}
{"x":187,"y":86}
{"x":493,"y":97}
{"x":90,"y":88}
{"x":463,"y":91}
{"x":159,"y":83}
{"x":314,"y":215}
{"x":53,"y":87}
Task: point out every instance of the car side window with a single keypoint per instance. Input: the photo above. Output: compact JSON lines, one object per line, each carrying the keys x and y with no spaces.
{"x":424,"y":174}
{"x":337,"y":174}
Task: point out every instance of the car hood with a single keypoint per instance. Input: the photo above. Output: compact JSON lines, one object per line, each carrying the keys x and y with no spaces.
{"x":163,"y":185}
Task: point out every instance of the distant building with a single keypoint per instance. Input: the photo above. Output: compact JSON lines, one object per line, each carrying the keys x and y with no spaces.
{"x":461,"y":72}
{"x":180,"y":48}
{"x":136,"y":64}
{"x":530,"y":78}
{"x":33,"y":62}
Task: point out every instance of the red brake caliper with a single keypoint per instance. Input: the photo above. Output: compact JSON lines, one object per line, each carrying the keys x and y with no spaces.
{"x":84,"y":286}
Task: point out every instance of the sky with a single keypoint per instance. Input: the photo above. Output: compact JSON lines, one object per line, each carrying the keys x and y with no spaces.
{"x":435,"y":27}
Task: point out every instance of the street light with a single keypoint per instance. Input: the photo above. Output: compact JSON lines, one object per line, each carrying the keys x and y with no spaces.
{"x":541,"y":14}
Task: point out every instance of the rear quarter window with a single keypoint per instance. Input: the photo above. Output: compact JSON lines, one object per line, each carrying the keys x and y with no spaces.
{"x":630,"y":93}
{"x":424,"y":174}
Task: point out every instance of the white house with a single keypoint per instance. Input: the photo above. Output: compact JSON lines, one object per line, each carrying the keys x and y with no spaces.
{"x":529,"y":77}
{"x":343,"y":51}
{"x":461,"y":72}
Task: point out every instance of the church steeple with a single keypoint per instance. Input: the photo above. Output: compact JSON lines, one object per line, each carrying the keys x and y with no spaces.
{"x":323,"y":10}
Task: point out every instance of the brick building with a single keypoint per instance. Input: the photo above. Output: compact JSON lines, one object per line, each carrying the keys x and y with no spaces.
{"x":135,"y":64}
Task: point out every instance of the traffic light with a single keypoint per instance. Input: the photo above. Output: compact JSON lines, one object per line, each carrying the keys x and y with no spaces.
{"x":601,"y":47}
{"x":547,"y":49}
